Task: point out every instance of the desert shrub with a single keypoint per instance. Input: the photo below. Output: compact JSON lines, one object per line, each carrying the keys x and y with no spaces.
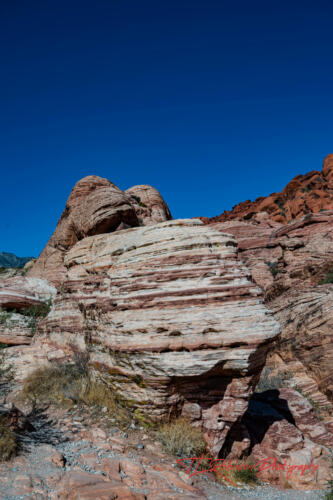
{"x":68,"y":384}
{"x":246,"y":473}
{"x":273,"y":267}
{"x":268,"y":381}
{"x":8,"y":442}
{"x":6,"y":370}
{"x":328,"y":278}
{"x":35,"y":313}
{"x":5,"y":318}
{"x":181,"y":439}
{"x":238,"y":471}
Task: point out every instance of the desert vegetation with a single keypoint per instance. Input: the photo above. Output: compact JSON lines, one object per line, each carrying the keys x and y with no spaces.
{"x":8,"y":439}
{"x":181,"y":439}
{"x":328,"y":278}
{"x":73,"y":383}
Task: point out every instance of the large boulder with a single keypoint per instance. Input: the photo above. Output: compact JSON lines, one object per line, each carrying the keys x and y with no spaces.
{"x":95,"y":206}
{"x":171,"y":319}
{"x":150,"y":206}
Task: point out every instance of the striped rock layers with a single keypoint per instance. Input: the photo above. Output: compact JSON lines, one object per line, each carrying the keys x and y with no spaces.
{"x":171,"y":319}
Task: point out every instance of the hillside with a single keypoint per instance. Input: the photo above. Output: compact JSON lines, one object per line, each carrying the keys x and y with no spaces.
{"x":11,"y":260}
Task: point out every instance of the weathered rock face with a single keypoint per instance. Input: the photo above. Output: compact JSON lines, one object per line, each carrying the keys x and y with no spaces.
{"x":150,"y":206}
{"x":308,"y":193}
{"x":283,"y":427}
{"x":95,"y":206}
{"x":288,"y":262}
{"x":170,"y":317}
{"x":16,"y":294}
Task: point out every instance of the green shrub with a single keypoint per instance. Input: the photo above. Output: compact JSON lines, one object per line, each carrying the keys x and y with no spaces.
{"x":245,"y":473}
{"x":328,"y":278}
{"x":242,"y":471}
{"x":273,"y":267}
{"x":35,"y":313}
{"x":180,"y":438}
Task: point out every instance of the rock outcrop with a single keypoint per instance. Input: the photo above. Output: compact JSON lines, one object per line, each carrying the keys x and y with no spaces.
{"x":171,"y":319}
{"x":289,"y":262}
{"x":150,"y":207}
{"x":18,"y":295}
{"x":96,"y":206}
{"x":310,"y":193}
{"x":284,"y":429}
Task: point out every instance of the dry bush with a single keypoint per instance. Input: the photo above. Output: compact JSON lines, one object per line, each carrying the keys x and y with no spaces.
{"x":69,"y":384}
{"x":8,"y":442}
{"x":181,"y":439}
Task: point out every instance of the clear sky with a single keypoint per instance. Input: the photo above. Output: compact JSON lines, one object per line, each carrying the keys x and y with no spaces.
{"x":210,"y":101}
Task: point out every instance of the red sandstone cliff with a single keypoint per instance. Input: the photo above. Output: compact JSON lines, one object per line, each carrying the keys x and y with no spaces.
{"x":309,"y":193}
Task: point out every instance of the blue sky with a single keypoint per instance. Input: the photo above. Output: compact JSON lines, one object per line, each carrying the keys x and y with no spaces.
{"x":211,"y":102}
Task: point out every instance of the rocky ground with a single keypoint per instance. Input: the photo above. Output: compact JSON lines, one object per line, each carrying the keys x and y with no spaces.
{"x":177,"y":318}
{"x":76,"y":454}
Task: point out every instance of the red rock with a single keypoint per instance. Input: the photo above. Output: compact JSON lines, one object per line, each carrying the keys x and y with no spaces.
{"x":155,"y":299}
{"x":309,"y":193}
{"x":149,"y":205}
{"x":95,"y":206}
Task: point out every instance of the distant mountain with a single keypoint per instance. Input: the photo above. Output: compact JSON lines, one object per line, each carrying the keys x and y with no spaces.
{"x":10,"y":260}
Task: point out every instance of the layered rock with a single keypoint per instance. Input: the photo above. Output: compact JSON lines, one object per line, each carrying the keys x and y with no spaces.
{"x":284,"y":429}
{"x":171,"y":319}
{"x":289,"y":262}
{"x":17,"y":296}
{"x":305,"y":194}
{"x":95,"y":206}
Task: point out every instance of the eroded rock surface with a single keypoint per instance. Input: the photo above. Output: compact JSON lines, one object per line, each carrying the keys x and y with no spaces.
{"x":170,"y":317}
{"x":289,"y":262}
{"x":284,"y":429}
{"x":19,"y":295}
{"x":309,"y":193}
{"x":95,"y":206}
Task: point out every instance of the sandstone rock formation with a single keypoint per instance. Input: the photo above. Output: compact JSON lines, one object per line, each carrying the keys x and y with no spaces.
{"x":149,"y":206}
{"x":96,"y":206}
{"x":17,"y":295}
{"x":310,"y":193}
{"x":288,"y":262}
{"x":171,"y":319}
{"x":283,"y":427}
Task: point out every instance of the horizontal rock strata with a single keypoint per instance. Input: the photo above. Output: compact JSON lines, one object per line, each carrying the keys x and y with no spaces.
{"x":20,"y":295}
{"x":171,"y":319}
{"x":291,"y":263}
